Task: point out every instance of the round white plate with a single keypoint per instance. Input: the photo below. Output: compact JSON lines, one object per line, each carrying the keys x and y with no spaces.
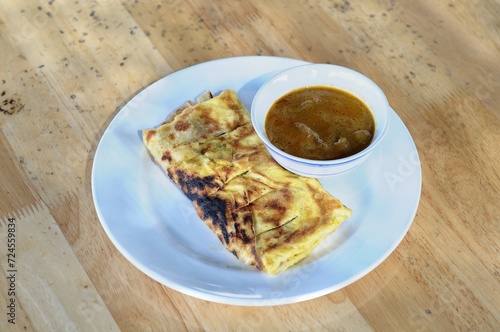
{"x":156,"y":228}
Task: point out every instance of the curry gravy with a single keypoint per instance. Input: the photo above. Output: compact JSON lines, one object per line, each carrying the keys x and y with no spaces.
{"x":320,"y":123}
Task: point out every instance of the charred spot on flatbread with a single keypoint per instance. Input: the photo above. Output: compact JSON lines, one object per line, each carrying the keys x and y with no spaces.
{"x":192,"y":185}
{"x":213,"y":210}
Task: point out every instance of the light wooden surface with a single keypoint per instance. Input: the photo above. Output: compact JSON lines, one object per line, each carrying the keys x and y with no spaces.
{"x":67,"y":67}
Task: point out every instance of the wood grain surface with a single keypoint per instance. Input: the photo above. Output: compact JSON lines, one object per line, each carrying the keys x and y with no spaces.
{"x":68,"y":66}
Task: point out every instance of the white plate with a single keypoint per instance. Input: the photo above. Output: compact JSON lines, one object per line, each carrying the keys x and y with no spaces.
{"x":156,"y":228}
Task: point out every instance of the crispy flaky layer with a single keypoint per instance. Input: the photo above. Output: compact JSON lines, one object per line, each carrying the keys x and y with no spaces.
{"x":265,"y":215}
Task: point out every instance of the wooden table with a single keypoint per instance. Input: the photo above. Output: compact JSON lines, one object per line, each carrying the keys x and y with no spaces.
{"x":67,"y":68}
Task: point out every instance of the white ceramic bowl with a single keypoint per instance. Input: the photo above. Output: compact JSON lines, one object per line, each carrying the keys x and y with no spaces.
{"x":320,"y":75}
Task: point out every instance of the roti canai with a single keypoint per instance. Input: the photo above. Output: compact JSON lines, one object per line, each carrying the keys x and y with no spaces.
{"x":265,"y":215}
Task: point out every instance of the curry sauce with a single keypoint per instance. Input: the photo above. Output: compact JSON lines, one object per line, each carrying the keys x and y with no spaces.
{"x":320,"y":123}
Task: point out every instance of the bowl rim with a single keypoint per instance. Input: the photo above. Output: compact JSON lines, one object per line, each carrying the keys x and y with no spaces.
{"x":312,"y":162}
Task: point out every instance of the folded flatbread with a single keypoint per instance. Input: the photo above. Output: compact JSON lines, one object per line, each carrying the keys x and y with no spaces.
{"x":265,"y":215}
